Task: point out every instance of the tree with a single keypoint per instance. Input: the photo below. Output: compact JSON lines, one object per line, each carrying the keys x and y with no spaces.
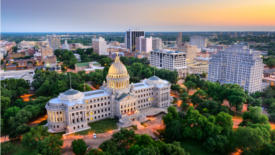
{"x":269,"y":101}
{"x":81,"y":87}
{"x":108,"y":146}
{"x":189,"y":85}
{"x":31,"y":138}
{"x":271,"y":63}
{"x":58,"y":87}
{"x":106,"y":61}
{"x":254,"y":116}
{"x":248,"y":138}
{"x":236,"y":98}
{"x":21,"y":117}
{"x":185,"y":100}
{"x":50,"y":145}
{"x":173,"y":130}
{"x":149,"y":151}
{"x":198,"y":97}
{"x":5,"y":101}
{"x":11,"y":112}
{"x":96,"y":152}
{"x":14,"y":49}
{"x":203,"y":75}
{"x":34,"y":109}
{"x":21,"y":129}
{"x":216,"y":143}
{"x":258,"y":103}
{"x":124,"y":138}
{"x":44,"y":89}
{"x":79,"y":147}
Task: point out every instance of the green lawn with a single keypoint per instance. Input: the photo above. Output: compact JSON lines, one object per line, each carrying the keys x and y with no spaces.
{"x":101,"y":126}
{"x":195,"y":147}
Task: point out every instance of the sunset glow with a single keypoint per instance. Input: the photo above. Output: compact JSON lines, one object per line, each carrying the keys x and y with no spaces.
{"x":92,"y":16}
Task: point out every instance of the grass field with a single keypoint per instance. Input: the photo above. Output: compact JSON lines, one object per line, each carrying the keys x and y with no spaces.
{"x":101,"y":126}
{"x":195,"y":147}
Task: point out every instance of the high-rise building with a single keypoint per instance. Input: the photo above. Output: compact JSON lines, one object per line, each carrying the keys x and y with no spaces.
{"x":199,"y":41}
{"x":54,"y":41}
{"x":171,"y":60}
{"x":143,"y":44}
{"x":100,"y":46}
{"x":130,"y":38}
{"x":238,"y":65}
{"x":156,"y":43}
{"x":179,"y":40}
{"x":191,"y":51}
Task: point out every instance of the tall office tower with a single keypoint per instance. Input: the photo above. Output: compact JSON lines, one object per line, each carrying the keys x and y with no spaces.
{"x":179,"y":40}
{"x":191,"y":51}
{"x":199,"y":41}
{"x":238,"y":65}
{"x":130,"y":38}
{"x":156,"y":43}
{"x":171,"y":60}
{"x":143,"y":44}
{"x":54,"y":41}
{"x":100,"y":46}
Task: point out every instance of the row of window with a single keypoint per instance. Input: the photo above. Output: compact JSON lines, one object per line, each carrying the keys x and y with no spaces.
{"x":98,"y":117}
{"x":98,"y":105}
{"x":100,"y":99}
{"x":98,"y":111}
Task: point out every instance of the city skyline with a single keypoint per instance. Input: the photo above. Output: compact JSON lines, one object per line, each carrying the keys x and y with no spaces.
{"x":121,"y":15}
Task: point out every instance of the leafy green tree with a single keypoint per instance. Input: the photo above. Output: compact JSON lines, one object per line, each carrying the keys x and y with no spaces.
{"x":31,"y":138}
{"x":147,"y":73}
{"x":19,"y":130}
{"x":79,"y":147}
{"x":5,"y":101}
{"x":216,"y":143}
{"x":50,"y":145}
{"x":124,"y":138}
{"x":198,"y":97}
{"x":189,"y":85}
{"x":108,"y":146}
{"x":173,"y":130}
{"x":203,"y":75}
{"x":11,"y":112}
{"x":95,"y":152}
{"x":58,"y":87}
{"x":258,"y":103}
{"x":19,"y":103}
{"x":35,"y":110}
{"x":248,"y":138}
{"x":97,"y":77}
{"x":271,"y":63}
{"x":81,"y":87}
{"x":174,"y":148}
{"x":173,"y":111}
{"x":185,"y":100}
{"x":236,"y":98}
{"x":106,"y":61}
{"x":44,"y":89}
{"x":149,"y":151}
{"x":21,"y":117}
{"x":254,"y":115}
{"x":269,"y":101}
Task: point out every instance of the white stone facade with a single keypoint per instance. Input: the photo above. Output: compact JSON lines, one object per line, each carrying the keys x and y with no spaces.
{"x":238,"y":65}
{"x":72,"y":110}
{"x":171,"y":60}
{"x":199,"y":41}
{"x":100,"y":46}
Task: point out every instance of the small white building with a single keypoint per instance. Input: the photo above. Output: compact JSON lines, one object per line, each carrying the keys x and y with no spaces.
{"x":27,"y":75}
{"x":66,"y":45}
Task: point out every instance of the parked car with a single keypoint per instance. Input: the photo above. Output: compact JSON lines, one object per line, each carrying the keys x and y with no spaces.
{"x":94,"y":136}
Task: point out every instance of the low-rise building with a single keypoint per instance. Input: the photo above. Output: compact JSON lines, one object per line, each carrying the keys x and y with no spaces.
{"x":198,"y":68}
{"x":27,"y":75}
{"x":14,"y":55}
{"x":88,"y":66}
{"x":50,"y":61}
{"x":191,"y":51}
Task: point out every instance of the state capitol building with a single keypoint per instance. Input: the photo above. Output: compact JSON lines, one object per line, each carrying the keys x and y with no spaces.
{"x":72,"y":110}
